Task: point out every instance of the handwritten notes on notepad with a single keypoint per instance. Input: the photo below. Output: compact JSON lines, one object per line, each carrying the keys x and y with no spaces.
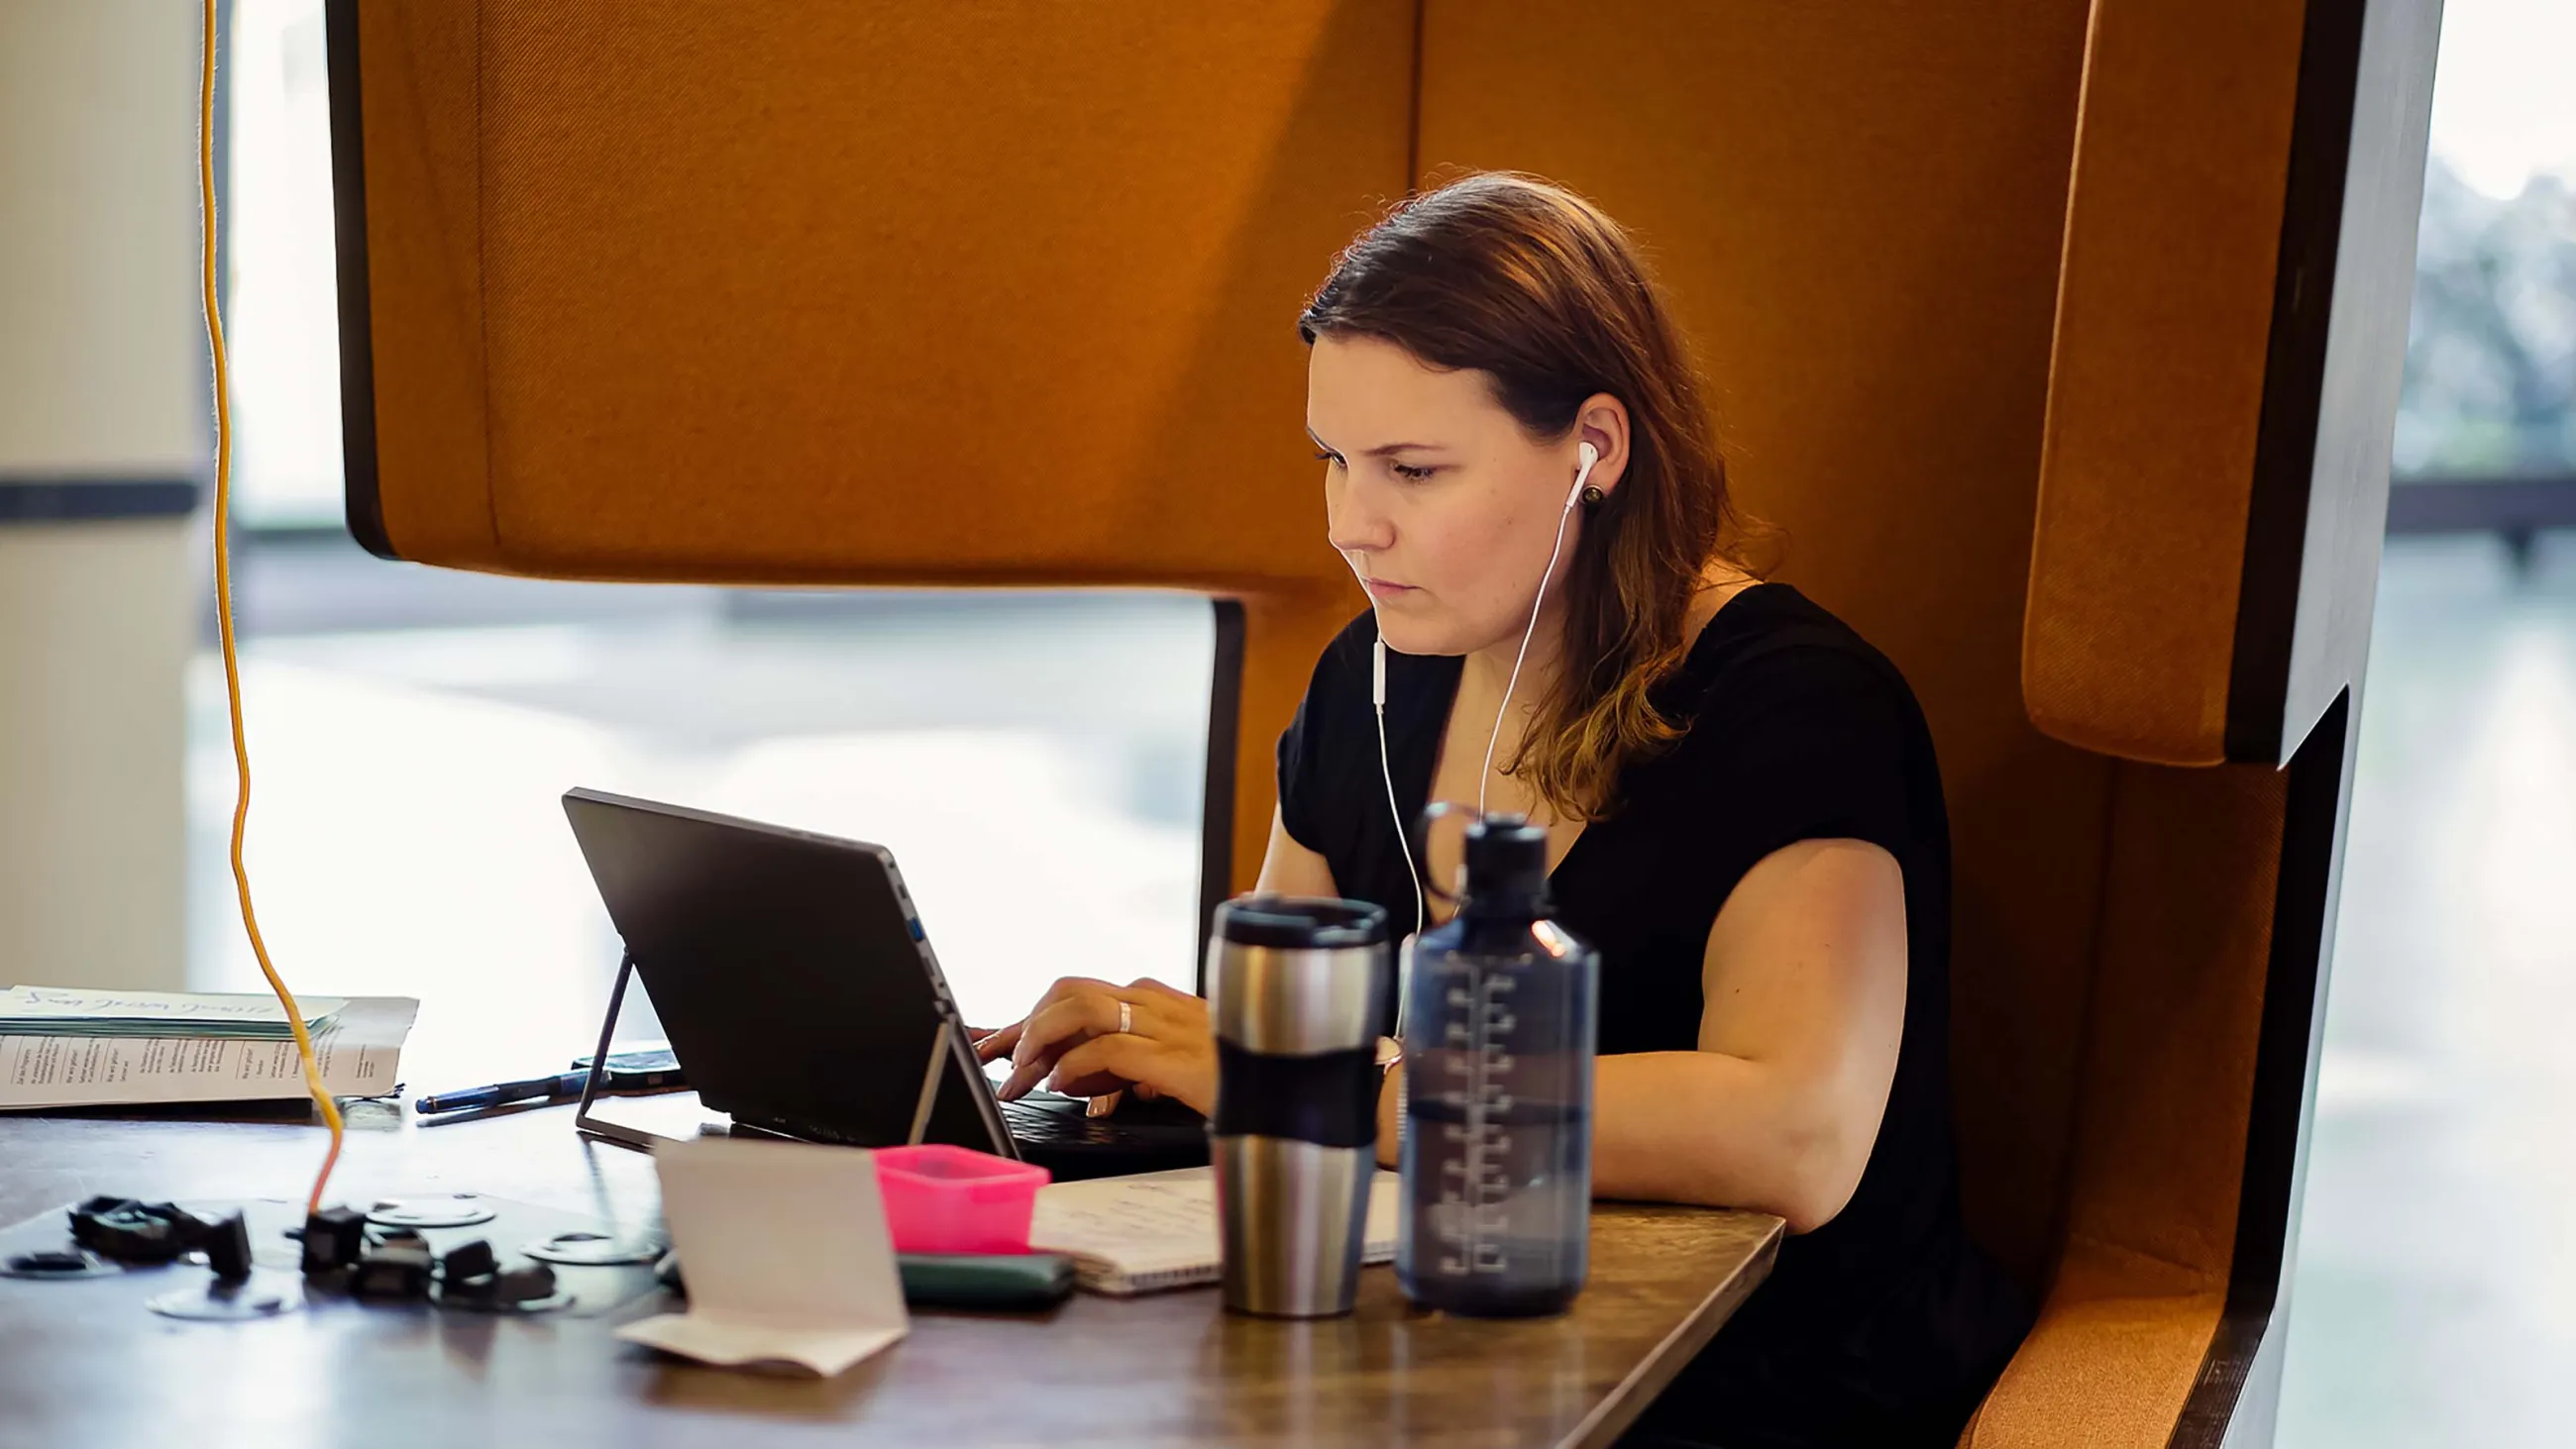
{"x":1129,"y":1235}
{"x":64,"y":1011}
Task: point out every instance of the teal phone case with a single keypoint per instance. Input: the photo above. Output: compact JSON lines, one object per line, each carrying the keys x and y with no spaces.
{"x":985,"y":1280}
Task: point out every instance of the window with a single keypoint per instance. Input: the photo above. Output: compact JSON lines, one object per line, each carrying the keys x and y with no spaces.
{"x":2490,"y":389}
{"x":281,"y":304}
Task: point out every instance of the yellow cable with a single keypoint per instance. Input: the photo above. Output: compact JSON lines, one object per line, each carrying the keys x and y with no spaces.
{"x":224,"y":614}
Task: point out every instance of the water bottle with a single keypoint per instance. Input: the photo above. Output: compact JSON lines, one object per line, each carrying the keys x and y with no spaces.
{"x":1498,"y":1046}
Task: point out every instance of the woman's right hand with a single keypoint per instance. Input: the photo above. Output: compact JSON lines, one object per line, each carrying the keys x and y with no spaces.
{"x":1074,"y":1036}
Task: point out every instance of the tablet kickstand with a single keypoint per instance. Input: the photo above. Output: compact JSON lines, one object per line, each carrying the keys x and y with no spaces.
{"x":582,"y":1121}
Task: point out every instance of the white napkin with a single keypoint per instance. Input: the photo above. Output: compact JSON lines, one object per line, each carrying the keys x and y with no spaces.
{"x":785,"y":1251}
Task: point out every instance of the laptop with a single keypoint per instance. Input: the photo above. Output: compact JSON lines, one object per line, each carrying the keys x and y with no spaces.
{"x":799,"y":991}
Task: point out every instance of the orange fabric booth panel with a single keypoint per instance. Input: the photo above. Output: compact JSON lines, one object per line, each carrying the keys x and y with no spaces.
{"x":890,"y":294}
{"x":2138,"y":555}
{"x":2230,"y":331}
{"x":2150,"y":454}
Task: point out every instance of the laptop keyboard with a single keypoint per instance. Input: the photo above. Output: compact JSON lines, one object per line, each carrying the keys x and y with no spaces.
{"x":1046,"y":1119}
{"x":1042,"y":1119}
{"x":1067,"y":1126}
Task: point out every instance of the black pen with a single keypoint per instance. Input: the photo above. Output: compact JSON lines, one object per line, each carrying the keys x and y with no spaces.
{"x":566,"y":1085}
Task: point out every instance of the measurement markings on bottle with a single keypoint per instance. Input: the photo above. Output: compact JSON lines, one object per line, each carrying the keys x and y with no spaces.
{"x":1475,"y":1188}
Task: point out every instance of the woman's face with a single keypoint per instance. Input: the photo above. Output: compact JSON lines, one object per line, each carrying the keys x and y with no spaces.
{"x":1442,"y":505}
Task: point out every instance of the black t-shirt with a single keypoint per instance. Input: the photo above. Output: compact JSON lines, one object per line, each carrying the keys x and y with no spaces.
{"x":1885,"y":1325}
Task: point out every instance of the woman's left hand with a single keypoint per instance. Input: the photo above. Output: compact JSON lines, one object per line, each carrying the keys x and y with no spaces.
{"x":1074,"y":1033}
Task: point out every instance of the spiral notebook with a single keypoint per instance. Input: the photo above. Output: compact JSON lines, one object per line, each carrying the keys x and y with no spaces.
{"x":1156,"y":1230}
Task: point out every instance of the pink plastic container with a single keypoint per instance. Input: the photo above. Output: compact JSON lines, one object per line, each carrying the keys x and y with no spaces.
{"x":943,"y":1199}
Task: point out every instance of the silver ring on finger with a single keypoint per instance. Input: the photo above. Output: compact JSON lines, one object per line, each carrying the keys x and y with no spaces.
{"x":1126,"y":1018}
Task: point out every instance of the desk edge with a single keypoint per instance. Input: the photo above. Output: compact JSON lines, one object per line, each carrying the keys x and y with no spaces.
{"x":1619,"y":1408}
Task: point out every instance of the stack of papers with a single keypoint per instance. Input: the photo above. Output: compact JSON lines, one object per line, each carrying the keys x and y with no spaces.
{"x":358,"y":1047}
{"x":61,"y":1011}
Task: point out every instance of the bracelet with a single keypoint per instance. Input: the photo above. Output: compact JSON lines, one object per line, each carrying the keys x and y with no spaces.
{"x":1390,"y":1055}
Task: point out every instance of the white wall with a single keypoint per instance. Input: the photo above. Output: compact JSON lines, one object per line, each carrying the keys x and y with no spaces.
{"x":94,"y":635}
{"x":101,"y":377}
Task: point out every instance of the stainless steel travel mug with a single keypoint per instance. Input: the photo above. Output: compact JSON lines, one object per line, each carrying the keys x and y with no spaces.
{"x":1297,"y":987}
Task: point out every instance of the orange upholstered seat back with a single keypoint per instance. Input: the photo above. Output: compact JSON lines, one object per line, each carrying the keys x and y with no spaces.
{"x":2231,"y":314}
{"x":995,"y":294}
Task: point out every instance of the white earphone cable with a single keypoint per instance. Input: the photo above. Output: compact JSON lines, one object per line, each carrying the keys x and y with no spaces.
{"x":1386,"y":769}
{"x":1403,"y":840}
{"x":1403,"y":846}
{"x":1485,"y":776}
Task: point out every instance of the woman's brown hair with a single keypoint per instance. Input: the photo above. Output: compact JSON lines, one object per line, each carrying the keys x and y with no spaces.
{"x":1533,"y":286}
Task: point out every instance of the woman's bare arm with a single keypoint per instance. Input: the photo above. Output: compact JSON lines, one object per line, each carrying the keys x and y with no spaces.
{"x":1777,"y":1109}
{"x":1290,"y":869}
{"x":1804,"y":985}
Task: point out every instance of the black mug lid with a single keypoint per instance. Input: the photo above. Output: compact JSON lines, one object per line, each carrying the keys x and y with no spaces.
{"x":1300,"y":923}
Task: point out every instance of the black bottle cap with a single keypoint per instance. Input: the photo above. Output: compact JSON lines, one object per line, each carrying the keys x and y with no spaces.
{"x":1506,"y":867}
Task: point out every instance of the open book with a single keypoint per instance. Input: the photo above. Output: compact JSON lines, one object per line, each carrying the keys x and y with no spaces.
{"x":1129,"y":1235}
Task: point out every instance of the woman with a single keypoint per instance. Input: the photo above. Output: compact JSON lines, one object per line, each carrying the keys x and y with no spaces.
{"x":1740,"y":795}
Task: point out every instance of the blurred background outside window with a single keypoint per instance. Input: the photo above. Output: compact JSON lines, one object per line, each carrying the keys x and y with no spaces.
{"x":2486,"y":422}
{"x":2491,"y":354}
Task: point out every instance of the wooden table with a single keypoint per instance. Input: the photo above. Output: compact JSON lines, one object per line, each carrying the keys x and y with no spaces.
{"x":82,"y":1363}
